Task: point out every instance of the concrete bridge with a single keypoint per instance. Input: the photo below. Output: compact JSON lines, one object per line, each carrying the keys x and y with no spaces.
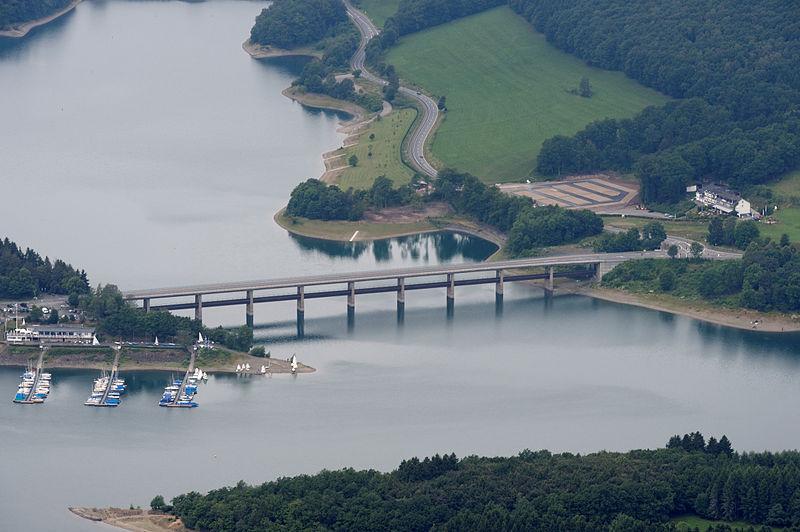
{"x":248,"y":293}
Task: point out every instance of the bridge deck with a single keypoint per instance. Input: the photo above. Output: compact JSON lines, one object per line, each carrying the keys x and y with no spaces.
{"x":379,"y":275}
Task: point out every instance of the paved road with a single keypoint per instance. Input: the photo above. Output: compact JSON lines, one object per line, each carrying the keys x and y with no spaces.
{"x":430,"y":112}
{"x":378,"y":275}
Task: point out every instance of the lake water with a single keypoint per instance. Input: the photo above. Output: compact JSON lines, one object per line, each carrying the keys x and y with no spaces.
{"x":141,"y":143}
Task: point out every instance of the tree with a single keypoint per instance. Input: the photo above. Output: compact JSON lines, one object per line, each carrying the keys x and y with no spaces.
{"x":353,"y":160}
{"x":442,"y":103}
{"x":666,"y":280}
{"x":52,"y":318}
{"x":672,"y":251}
{"x":158,"y":503}
{"x":696,"y":249}
{"x":585,"y":88}
{"x":745,"y":233}
{"x":35,"y":315}
{"x":716,"y":234}
{"x":784,"y":240}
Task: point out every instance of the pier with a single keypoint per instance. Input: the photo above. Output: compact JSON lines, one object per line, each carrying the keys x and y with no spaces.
{"x":176,"y":401}
{"x":30,"y":396}
{"x":349,"y":285}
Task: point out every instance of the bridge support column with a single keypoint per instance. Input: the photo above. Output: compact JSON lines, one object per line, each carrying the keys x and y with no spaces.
{"x":548,"y":289}
{"x":146,"y":304}
{"x":198,"y":307}
{"x":249,"y":311}
{"x":351,"y":295}
{"x":498,"y":285}
{"x":401,"y":299}
{"x":301,"y":311}
{"x":602,"y":268}
{"x":451,"y":295}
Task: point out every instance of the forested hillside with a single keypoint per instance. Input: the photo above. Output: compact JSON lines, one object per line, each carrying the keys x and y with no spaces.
{"x":736,"y":64}
{"x":634,"y":491}
{"x":15,"y":11}
{"x":293,"y":23}
{"x":24,"y":274}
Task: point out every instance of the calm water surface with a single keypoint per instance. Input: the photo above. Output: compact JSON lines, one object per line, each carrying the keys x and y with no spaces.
{"x":139,"y":142}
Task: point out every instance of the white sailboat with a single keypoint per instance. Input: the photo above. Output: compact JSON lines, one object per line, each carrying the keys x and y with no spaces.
{"x":156,"y":342}
{"x":294,"y":364}
{"x":238,"y":368}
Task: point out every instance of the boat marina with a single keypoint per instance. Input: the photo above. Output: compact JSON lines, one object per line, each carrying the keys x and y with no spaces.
{"x":180,"y":393}
{"x":35,"y":385}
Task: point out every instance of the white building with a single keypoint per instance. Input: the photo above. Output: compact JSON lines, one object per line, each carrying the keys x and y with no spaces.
{"x":49,"y":334}
{"x":723,"y":200}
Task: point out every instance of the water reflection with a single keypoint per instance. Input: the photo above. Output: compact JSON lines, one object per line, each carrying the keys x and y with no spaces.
{"x":426,"y":248}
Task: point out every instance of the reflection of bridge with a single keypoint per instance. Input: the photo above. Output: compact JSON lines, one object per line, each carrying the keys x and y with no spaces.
{"x":502,"y":271}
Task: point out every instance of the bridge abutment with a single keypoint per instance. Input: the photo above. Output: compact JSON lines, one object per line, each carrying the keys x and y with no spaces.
{"x":301,"y":311}
{"x":146,"y":304}
{"x":401,"y":299}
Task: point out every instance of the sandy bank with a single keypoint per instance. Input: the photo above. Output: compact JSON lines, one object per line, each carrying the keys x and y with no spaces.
{"x":126,"y":519}
{"x":699,"y":310}
{"x":258,"y":51}
{"x":22,"y":29}
{"x":143,"y":359}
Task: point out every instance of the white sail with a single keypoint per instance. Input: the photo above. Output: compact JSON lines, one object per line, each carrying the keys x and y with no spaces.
{"x":199,"y":338}
{"x":238,"y":367}
{"x":156,"y":342}
{"x":294,"y":363}
{"x":247,"y":366}
{"x":95,"y":341}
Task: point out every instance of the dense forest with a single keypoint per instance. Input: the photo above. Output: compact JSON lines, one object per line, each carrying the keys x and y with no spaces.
{"x":650,"y":237}
{"x":13,"y":12}
{"x":634,"y":491}
{"x":293,"y":23}
{"x":24,"y":274}
{"x":316,"y":200}
{"x":766,"y":278}
{"x":734,"y":64}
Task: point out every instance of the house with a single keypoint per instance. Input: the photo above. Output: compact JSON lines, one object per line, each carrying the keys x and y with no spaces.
{"x":723,"y":199}
{"x":49,"y":334}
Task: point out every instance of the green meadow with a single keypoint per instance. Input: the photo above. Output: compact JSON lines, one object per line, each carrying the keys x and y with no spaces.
{"x":507,"y":91}
{"x":379,"y":10}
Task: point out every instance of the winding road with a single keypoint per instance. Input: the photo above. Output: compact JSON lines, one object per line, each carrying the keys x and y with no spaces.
{"x":429,"y":110}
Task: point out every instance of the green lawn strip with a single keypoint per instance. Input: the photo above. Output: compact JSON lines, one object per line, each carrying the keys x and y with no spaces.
{"x":788,"y":213}
{"x":339,"y":230}
{"x":385,"y":158}
{"x":506,"y":90}
{"x":690,"y":522}
{"x":694,"y":230}
{"x":379,"y":10}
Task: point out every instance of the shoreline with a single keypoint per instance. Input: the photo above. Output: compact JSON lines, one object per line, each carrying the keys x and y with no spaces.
{"x":23,"y":28}
{"x":401,"y":230}
{"x":148,"y":360}
{"x":735,"y":318}
{"x":258,"y":51}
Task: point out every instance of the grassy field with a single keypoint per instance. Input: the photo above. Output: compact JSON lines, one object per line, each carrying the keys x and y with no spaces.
{"x":788,"y":215}
{"x":507,"y":91}
{"x":379,"y":10}
{"x":690,"y":522}
{"x":384,"y":148}
{"x":693,"y":230}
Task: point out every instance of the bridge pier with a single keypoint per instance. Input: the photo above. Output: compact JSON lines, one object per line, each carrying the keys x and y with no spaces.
{"x":198,"y":307}
{"x":451,"y":287}
{"x":401,"y":299}
{"x":498,"y":285}
{"x":351,"y":295}
{"x":548,"y":288}
{"x":146,"y":304}
{"x":249,"y":310}
{"x":602,"y":268}
{"x":301,"y":311}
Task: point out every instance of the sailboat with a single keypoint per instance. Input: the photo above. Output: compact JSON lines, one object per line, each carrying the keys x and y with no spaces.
{"x":294,"y":363}
{"x":156,"y":342}
{"x":247,"y":366}
{"x":263,"y":370}
{"x":200,"y":338}
{"x":238,"y":368}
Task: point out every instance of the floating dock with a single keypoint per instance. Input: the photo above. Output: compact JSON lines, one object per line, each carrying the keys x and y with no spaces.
{"x":107,"y":390}
{"x":35,"y":385}
{"x":180,"y":393}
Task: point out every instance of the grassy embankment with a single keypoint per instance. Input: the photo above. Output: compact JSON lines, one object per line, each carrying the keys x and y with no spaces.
{"x":379,"y":10}
{"x":340,"y":230}
{"x":690,"y":522}
{"x":507,"y":91}
{"x":788,"y":214}
{"x":378,"y":152}
{"x":694,"y":230}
